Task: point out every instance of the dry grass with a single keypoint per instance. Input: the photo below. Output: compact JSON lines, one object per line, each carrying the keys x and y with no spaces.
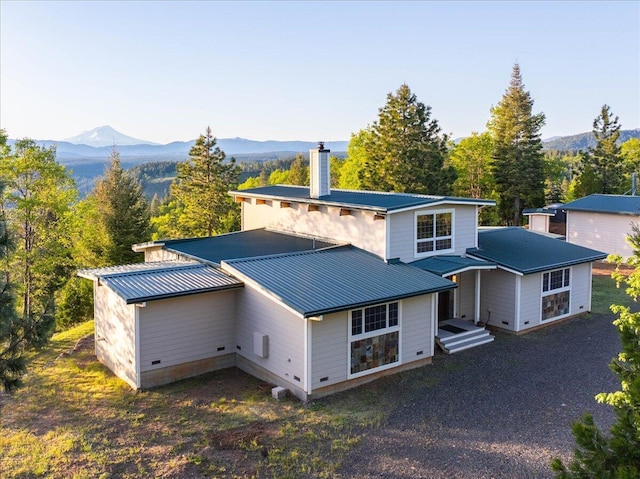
{"x":74,"y":419}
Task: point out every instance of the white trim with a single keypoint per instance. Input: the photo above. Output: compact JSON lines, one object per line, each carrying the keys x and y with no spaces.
{"x":562,"y":289}
{"x":136,"y":334}
{"x":518,"y":304}
{"x":387,"y":234}
{"x":589,"y":287}
{"x":441,"y":203}
{"x":434,"y":252}
{"x":373,"y":334}
{"x":308,"y":350}
{"x":434,"y":320}
{"x":476,"y":315}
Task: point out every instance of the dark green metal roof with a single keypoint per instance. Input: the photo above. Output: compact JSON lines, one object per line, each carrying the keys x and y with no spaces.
{"x":243,"y":244}
{"x":446,"y":265}
{"x":528,"y":252}
{"x":153,"y":281}
{"x":335,"y":279}
{"x":539,"y":211}
{"x":373,"y":200}
{"x":616,"y":204}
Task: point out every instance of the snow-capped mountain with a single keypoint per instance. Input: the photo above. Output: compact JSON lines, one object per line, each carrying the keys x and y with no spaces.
{"x":106,"y":136}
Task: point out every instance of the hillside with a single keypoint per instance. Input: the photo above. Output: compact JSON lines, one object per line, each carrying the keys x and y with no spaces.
{"x":583,"y":141}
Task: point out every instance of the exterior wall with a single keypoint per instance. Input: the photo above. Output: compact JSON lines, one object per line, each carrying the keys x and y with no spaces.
{"x":539,"y":223}
{"x":402,"y":236}
{"x":601,"y":231}
{"x":466,"y":294}
{"x":498,"y":298}
{"x":530,"y":302}
{"x":158,"y":254}
{"x":115,"y":334}
{"x":285,"y":363}
{"x":330,"y":344}
{"x":360,"y":228}
{"x":180,"y":331}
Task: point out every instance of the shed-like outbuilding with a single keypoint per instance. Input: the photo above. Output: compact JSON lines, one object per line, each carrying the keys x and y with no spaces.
{"x":603,"y":222}
{"x":538,"y":280}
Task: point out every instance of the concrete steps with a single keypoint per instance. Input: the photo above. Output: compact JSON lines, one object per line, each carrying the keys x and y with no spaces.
{"x":453,"y":343}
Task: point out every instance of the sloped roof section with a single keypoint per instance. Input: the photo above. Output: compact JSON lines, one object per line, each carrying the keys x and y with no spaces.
{"x":446,"y":265}
{"x":615,"y":204}
{"x":336,"y":279}
{"x":369,"y":200}
{"x":165,"y":280}
{"x":243,"y":244}
{"x":527,"y":252}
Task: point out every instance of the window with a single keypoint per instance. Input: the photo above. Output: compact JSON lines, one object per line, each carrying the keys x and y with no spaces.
{"x":434,"y":232}
{"x":557,"y":283}
{"x":375,"y":334}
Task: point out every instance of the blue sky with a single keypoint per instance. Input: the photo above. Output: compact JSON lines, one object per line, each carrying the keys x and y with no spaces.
{"x":163,"y":71}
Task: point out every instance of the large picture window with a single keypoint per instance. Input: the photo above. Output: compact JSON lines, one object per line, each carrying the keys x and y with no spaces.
{"x":434,"y":232}
{"x":375,"y":334}
{"x":556,"y":293}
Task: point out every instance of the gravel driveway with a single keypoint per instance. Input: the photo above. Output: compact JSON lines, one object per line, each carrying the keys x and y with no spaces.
{"x":501,"y":410}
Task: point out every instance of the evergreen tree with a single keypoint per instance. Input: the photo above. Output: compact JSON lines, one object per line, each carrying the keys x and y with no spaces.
{"x":201,"y":188}
{"x":299,"y":172}
{"x":124,"y":212}
{"x":604,"y":161}
{"x":406,"y":150}
{"x":617,"y":455}
{"x":518,"y":166}
{"x":36,"y":200}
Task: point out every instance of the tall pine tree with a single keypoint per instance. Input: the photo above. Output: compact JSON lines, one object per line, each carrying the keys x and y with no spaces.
{"x":603,"y":165}
{"x":405,"y":150}
{"x":200,"y":190}
{"x":518,"y":165}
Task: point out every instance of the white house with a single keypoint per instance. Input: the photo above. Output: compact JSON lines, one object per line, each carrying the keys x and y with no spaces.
{"x":603,"y":222}
{"x":325,"y":289}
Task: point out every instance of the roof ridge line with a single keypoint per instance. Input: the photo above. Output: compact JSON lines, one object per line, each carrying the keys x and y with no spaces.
{"x":289,"y":254}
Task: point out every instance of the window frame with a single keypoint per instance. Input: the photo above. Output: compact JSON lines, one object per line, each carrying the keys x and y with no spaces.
{"x":372,"y":334}
{"x":546,"y":281}
{"x":435,"y":238}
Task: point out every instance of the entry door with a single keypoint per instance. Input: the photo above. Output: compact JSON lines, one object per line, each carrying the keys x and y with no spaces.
{"x":445,"y":305}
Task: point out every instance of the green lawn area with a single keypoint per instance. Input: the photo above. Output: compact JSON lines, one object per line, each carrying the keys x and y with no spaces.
{"x":74,"y":419}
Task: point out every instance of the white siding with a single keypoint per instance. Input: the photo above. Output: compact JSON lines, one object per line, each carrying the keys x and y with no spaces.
{"x":466,"y":294}
{"x":581,"y":288}
{"x":329,"y":358}
{"x":402,"y":241}
{"x":189,"y":328}
{"x":360,"y":228}
{"x":258,"y":313}
{"x":330,"y":351}
{"x":115,"y":334}
{"x":497,"y":298}
{"x":530,"y":301}
{"x":601,"y":231}
{"x":159,"y":254}
{"x":539,"y":223}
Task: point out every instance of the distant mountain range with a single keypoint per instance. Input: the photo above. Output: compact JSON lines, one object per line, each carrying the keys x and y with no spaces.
{"x":95,"y":145}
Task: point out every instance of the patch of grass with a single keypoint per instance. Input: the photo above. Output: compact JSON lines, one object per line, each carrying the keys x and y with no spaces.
{"x":605,"y":293}
{"x":74,"y":418}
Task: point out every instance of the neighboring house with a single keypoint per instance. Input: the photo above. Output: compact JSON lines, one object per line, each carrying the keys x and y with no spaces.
{"x":325,"y":289}
{"x":603,"y":222}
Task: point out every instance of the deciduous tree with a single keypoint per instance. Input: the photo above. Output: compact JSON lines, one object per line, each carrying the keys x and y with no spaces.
{"x":36,"y":200}
{"x":407,"y":151}
{"x":518,"y":166}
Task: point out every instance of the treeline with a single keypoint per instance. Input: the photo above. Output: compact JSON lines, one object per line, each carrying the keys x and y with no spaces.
{"x":47,"y":232}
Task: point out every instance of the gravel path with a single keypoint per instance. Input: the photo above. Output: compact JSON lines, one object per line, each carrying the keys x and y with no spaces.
{"x":501,"y":410}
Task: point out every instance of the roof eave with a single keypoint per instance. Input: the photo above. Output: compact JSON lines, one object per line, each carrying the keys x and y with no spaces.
{"x":142,"y":299}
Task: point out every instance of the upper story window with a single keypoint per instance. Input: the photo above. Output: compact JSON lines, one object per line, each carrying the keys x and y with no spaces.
{"x":434,"y":232}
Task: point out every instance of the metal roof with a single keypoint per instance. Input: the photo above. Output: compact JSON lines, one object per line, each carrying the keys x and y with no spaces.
{"x":166,"y":280}
{"x":616,"y":204}
{"x":538,"y":211}
{"x":527,"y":252}
{"x":446,"y":265}
{"x":243,"y":244}
{"x":95,"y":273}
{"x":336,"y":279}
{"x":371,"y":200}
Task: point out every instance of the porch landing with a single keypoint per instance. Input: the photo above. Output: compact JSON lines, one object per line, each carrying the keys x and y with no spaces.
{"x":457,"y":335}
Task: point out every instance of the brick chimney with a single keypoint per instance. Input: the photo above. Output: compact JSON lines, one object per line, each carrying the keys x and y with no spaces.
{"x":319,"y":171}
